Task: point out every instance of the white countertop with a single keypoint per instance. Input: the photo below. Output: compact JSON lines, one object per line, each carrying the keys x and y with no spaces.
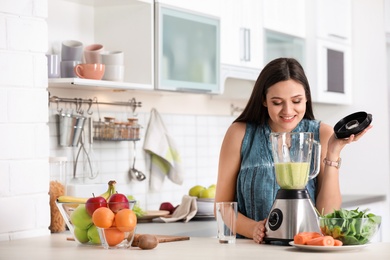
{"x":56,"y":246}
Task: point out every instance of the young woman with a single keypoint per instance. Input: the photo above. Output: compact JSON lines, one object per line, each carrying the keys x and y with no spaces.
{"x":280,"y":102}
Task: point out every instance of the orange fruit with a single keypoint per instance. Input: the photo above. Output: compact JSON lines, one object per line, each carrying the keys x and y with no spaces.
{"x":125,"y":220}
{"x":103,"y":217}
{"x":113,"y":236}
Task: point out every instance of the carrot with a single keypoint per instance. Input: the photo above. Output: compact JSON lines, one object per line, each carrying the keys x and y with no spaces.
{"x":321,"y":241}
{"x":302,"y":237}
{"x":337,"y":242}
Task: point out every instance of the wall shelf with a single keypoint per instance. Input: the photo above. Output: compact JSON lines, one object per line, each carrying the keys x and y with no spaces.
{"x":91,"y":84}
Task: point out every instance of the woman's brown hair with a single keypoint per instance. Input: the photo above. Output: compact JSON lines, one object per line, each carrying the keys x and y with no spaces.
{"x":277,"y":70}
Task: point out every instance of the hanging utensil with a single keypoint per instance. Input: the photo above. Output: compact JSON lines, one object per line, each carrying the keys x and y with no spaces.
{"x":133,"y":172}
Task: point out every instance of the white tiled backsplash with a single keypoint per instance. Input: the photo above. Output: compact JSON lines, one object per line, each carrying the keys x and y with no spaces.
{"x":198,"y":137}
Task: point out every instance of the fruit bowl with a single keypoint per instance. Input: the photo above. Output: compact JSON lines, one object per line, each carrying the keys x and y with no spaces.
{"x":205,"y":207}
{"x":351,"y":231}
{"x":80,"y":224}
{"x":114,"y":237}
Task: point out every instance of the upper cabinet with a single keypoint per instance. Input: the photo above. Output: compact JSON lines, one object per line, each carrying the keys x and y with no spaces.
{"x":333,"y":41}
{"x":241,"y":33}
{"x":187,"y":48}
{"x":210,"y":7}
{"x":334,"y":20}
{"x":119,"y":25}
{"x":285,"y":16}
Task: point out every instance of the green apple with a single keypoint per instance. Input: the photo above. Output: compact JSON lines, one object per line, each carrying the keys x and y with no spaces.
{"x":93,"y":235}
{"x":81,"y":235}
{"x":195,"y":191}
{"x":208,"y":193}
{"x":80,"y":218}
{"x":213,"y":186}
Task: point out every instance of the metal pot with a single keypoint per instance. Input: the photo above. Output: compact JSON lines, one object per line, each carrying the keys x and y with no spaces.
{"x":69,"y":129}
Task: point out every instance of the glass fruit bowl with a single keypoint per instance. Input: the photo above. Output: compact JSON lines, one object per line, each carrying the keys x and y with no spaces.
{"x":81,"y":226}
{"x":114,"y":237}
{"x":351,"y":231}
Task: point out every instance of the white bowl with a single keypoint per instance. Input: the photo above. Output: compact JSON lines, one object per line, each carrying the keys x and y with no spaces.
{"x":205,"y":207}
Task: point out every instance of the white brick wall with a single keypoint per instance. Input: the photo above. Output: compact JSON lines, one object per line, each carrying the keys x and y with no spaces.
{"x":24,"y":133}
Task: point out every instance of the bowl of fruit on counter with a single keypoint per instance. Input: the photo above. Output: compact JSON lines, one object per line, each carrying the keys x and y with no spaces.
{"x":205,"y":197}
{"x":107,"y":220}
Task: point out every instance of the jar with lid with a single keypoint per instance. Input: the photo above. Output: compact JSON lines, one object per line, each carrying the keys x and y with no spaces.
{"x":109,"y":127}
{"x":118,"y":131}
{"x":58,"y":182}
{"x":132,"y":126}
{"x":124,"y":132}
{"x":98,"y":129}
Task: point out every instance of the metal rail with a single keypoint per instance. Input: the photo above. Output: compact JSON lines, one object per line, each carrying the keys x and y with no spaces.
{"x":80,"y":101}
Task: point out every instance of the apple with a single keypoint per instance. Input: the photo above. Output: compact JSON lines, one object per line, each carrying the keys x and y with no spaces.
{"x":93,"y":235}
{"x":80,"y":218}
{"x":167,"y":206}
{"x":118,"y":201}
{"x":208,"y":193}
{"x":81,"y":235}
{"x":93,"y":203}
{"x":195,"y":191}
{"x":213,"y":186}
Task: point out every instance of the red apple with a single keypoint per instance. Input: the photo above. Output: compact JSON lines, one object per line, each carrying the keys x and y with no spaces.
{"x":167,"y":206}
{"x":93,"y":203}
{"x":118,"y":201}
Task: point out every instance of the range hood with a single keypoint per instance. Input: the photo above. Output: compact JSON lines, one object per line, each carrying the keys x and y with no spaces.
{"x":237,"y":82}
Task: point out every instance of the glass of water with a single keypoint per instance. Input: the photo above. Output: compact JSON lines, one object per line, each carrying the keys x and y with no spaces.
{"x":226,"y":220}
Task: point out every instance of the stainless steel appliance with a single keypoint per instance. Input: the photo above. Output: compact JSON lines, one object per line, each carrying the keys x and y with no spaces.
{"x":293,"y":211}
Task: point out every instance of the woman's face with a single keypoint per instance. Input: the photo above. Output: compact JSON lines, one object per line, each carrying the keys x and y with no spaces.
{"x":286,"y":103}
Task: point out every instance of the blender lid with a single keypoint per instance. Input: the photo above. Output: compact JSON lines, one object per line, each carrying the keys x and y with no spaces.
{"x":352,"y":124}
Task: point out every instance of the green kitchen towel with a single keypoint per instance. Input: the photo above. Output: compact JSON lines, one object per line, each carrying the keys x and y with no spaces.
{"x":165,"y":160}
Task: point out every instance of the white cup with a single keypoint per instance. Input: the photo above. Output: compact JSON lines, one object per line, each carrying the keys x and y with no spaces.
{"x":114,"y":72}
{"x":92,"y":53}
{"x":53,"y":65}
{"x":112,"y":57}
{"x":226,"y":220}
{"x":71,"y":51}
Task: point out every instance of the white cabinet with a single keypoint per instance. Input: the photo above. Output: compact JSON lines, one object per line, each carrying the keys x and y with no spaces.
{"x":333,"y":73}
{"x":209,"y":7}
{"x":187,"y":50}
{"x":118,"y":25}
{"x":333,"y":49}
{"x":285,"y":16}
{"x":334,"y":20}
{"x":241,"y":33}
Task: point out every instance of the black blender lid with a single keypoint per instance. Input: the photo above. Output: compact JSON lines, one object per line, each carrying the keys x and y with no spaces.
{"x":352,"y":124}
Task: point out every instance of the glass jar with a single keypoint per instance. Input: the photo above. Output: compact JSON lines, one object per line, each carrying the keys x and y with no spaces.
{"x":109,"y":128}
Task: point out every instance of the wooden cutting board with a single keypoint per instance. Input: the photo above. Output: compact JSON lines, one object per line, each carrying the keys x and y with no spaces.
{"x":164,"y":238}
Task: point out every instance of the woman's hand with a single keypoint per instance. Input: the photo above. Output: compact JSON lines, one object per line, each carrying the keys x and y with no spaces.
{"x":259,"y":231}
{"x":336,"y":145}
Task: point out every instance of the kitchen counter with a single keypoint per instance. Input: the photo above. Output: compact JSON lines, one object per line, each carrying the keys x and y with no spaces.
{"x":56,"y":246}
{"x":195,"y":228}
{"x":358,"y":200}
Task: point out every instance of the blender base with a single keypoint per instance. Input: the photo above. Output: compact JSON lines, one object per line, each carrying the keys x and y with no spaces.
{"x":291,"y":213}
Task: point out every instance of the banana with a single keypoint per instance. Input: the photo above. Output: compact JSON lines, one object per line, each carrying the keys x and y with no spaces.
{"x":110,"y":190}
{"x":72,"y":199}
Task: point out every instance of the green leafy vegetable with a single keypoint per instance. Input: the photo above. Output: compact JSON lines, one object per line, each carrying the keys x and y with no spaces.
{"x":352,"y":227}
{"x":139,"y":212}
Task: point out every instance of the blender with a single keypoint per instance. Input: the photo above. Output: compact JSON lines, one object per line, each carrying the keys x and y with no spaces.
{"x":293,"y":211}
